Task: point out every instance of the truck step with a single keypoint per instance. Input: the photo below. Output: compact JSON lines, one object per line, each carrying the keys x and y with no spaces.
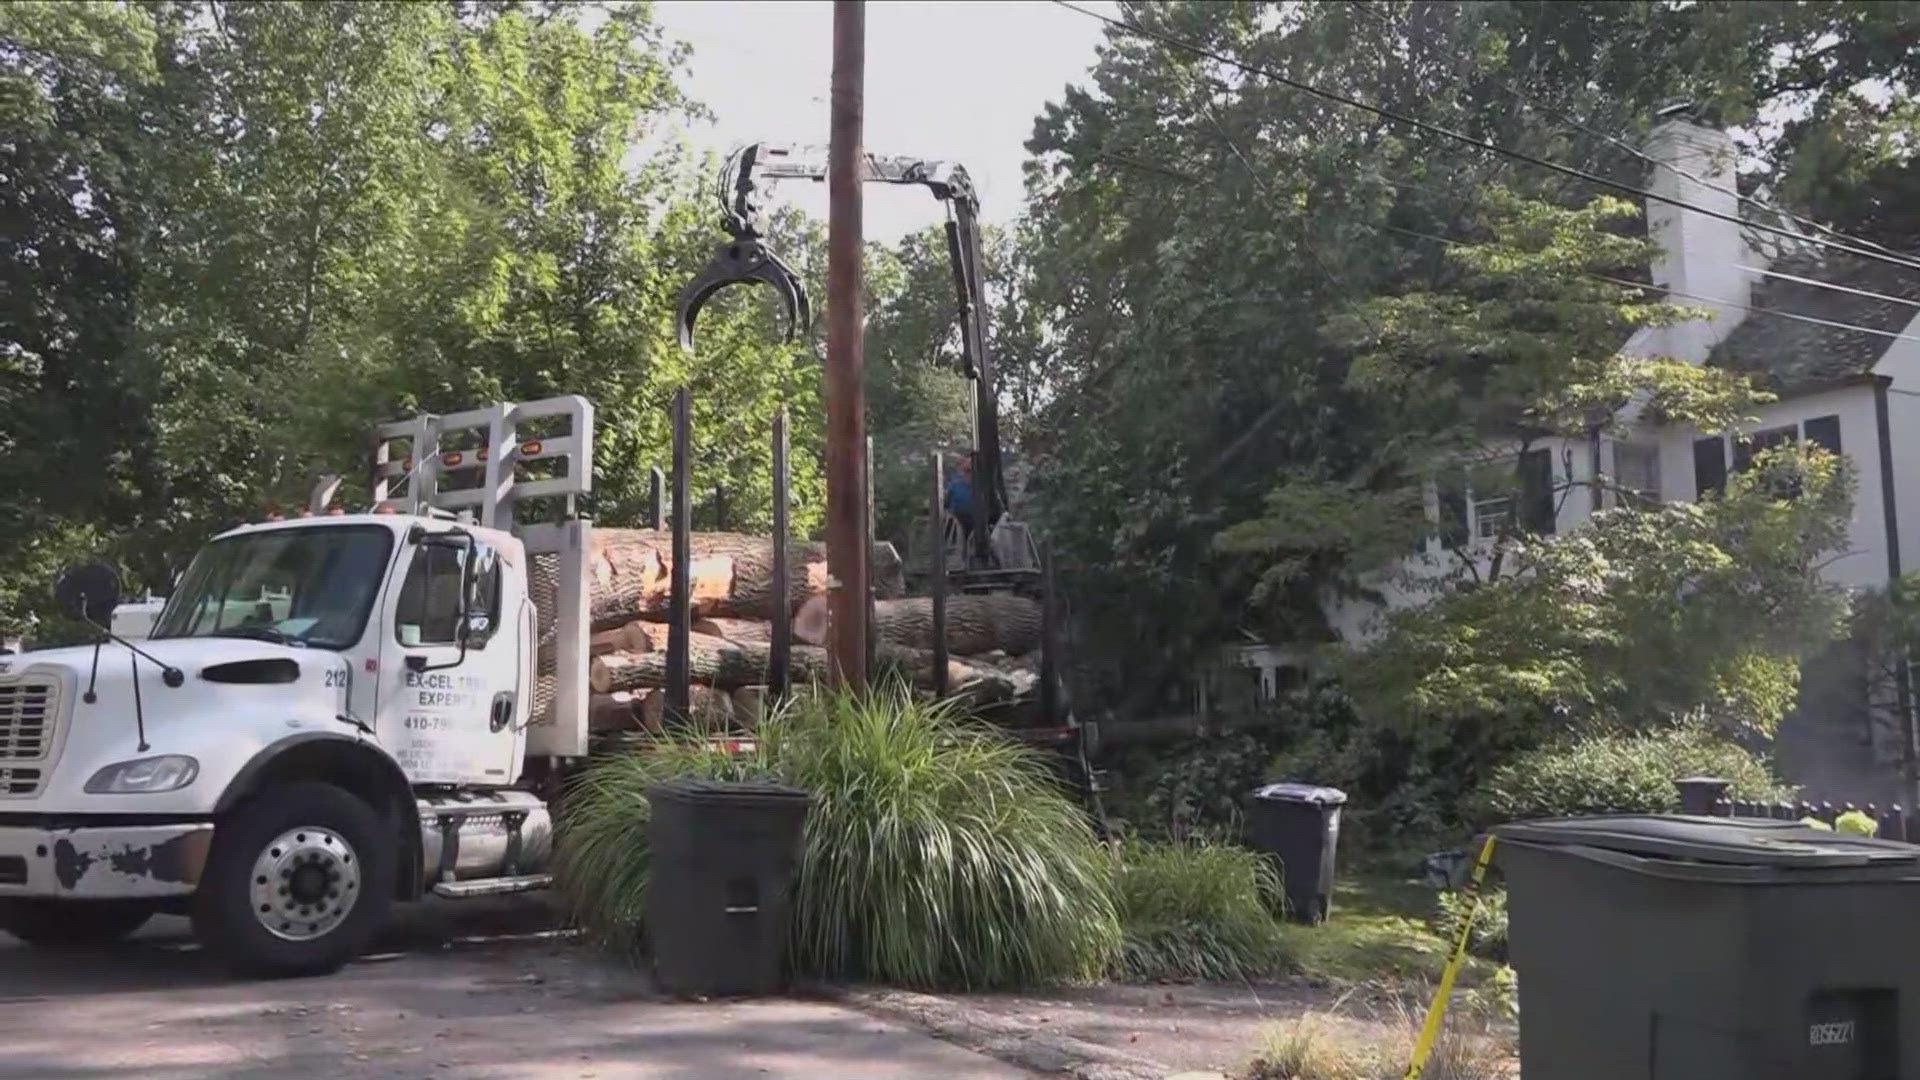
{"x":494,"y":886}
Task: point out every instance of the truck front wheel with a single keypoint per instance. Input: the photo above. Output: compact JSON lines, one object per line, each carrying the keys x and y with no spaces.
{"x":72,"y":924}
{"x":297,"y":882}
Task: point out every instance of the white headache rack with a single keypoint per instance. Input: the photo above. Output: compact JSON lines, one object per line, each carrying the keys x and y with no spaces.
{"x":483,"y":461}
{"x":493,"y":466}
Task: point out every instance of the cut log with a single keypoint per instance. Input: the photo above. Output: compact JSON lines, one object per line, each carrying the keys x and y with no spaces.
{"x":731,"y":575}
{"x":635,"y":637}
{"x":749,"y":705}
{"x":979,"y":683}
{"x":749,"y":631}
{"x":710,"y":708}
{"x":994,"y":622}
{"x":711,"y":661}
{"x":613,"y":712}
{"x":643,"y":636}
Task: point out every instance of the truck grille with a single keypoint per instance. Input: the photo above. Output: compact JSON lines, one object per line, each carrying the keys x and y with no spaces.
{"x":29,"y":709}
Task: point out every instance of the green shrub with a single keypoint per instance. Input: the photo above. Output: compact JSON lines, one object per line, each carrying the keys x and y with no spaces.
{"x":1618,"y":774}
{"x":1487,"y":937}
{"x":1192,"y":791}
{"x":938,"y":853}
{"x":1197,"y":912}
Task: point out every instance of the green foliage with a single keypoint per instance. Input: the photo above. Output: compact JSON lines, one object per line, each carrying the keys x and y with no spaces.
{"x":1643,"y":616}
{"x":1618,"y":774}
{"x":937,"y":853}
{"x":250,"y":230}
{"x":1519,"y":337}
{"x":1243,"y":327}
{"x":1401,"y":784}
{"x":1485,"y":919}
{"x":1193,"y":791}
{"x":1857,"y":822}
{"x":1197,"y":912}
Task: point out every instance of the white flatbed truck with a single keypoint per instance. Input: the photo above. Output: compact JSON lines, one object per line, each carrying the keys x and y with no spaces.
{"x":333,"y":713}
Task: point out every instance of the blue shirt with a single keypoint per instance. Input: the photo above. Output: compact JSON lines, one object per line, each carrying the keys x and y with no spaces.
{"x":960,"y":496}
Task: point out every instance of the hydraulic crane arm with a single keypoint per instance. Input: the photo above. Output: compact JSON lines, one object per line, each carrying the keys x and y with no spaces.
{"x":745,"y":183}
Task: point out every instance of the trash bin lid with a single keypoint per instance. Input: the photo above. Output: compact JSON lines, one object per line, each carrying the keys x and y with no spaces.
{"x":730,"y":793}
{"x":1301,"y":793}
{"x":1756,"y":842}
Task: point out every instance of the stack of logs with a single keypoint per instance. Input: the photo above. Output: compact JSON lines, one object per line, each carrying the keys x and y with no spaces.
{"x":992,"y":641}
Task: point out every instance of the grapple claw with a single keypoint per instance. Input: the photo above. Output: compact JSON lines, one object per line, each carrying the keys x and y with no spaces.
{"x":743,"y":261}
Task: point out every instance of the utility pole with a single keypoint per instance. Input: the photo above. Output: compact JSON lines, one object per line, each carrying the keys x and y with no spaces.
{"x":847,"y":547}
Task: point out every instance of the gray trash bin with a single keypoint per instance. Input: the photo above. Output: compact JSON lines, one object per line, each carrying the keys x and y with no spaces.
{"x":1298,"y":825}
{"x":1692,"y":948}
{"x":719,"y":888}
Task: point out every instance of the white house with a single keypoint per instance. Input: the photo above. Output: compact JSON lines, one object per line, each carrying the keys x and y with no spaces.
{"x":1836,"y":336}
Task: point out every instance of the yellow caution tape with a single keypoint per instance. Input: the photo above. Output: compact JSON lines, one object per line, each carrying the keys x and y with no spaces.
{"x":1430,"y":1032}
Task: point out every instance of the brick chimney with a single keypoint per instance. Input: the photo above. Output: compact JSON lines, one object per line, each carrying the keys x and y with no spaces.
{"x":1700,"y":255}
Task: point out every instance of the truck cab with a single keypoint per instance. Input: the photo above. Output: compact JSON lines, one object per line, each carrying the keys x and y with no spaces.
{"x":332,"y":712}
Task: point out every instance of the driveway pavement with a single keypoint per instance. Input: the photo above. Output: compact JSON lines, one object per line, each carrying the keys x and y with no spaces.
{"x":444,"y":1004}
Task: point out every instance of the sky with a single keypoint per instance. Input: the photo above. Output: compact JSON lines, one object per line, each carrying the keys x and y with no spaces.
{"x":950,"y":81}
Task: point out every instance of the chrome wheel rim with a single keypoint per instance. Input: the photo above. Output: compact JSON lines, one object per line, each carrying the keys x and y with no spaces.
{"x":304,"y":883}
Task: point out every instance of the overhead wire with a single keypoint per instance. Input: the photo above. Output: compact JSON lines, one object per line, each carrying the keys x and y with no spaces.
{"x":1259,"y":423}
{"x":1384,"y":113}
{"x":1239,"y":443}
{"x":1373,"y":12}
{"x":1630,"y":283}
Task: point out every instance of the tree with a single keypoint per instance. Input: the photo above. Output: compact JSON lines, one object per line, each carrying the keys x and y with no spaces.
{"x":1216,"y":245}
{"x":72,"y":216}
{"x":918,"y":397}
{"x":1646,"y":616}
{"x":245,"y":232}
{"x":1510,"y":354}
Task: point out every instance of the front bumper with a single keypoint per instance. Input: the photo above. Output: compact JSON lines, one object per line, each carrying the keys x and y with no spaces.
{"x":103,"y":862}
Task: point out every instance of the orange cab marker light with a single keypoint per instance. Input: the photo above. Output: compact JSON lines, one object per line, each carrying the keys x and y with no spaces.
{"x":452,"y":459}
{"x":530,"y":448}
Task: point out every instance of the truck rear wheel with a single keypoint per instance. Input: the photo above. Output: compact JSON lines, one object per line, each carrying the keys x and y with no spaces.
{"x":297,"y":882}
{"x":72,"y":924}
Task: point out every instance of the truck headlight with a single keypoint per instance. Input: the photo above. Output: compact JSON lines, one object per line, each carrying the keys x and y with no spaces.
{"x":145,"y":776}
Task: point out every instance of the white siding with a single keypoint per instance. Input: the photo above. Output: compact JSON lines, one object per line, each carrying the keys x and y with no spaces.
{"x":1901,"y":364}
{"x":1865,"y":561}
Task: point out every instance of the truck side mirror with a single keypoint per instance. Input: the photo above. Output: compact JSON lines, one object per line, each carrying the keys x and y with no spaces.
{"x":88,"y":592}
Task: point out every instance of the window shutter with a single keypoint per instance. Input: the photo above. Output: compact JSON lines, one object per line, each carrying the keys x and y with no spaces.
{"x":1453,"y":512}
{"x":1709,"y":466}
{"x":1536,"y":492}
{"x":1824,"y":432}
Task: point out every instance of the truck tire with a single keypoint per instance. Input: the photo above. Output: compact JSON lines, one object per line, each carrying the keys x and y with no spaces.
{"x":63,"y":925}
{"x":298,"y":881}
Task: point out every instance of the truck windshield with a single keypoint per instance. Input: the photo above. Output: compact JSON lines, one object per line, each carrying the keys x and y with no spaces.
{"x":307,"y":586}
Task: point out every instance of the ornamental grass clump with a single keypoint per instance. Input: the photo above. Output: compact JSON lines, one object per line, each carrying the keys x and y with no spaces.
{"x":1198,"y":912}
{"x":938,"y":853}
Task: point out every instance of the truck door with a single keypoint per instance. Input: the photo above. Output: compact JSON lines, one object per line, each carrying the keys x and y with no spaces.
{"x":454,"y":712}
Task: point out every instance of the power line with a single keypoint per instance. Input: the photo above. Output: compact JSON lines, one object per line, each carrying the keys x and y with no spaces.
{"x":1623,"y":144}
{"x":1835,"y":286}
{"x":1482,"y":144}
{"x":1794,"y":315}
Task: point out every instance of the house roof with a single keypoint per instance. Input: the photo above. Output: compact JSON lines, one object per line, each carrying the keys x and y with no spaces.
{"x":1791,"y":354}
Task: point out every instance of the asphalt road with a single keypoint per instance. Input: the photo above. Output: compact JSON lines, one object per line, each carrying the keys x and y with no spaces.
{"x":458,"y":993}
